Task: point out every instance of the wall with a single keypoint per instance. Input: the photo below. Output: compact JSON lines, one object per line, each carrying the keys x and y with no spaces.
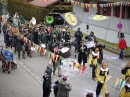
{"x":101,"y":27}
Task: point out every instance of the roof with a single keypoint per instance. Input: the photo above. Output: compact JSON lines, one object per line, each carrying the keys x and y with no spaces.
{"x":43,"y":3}
{"x":115,"y":0}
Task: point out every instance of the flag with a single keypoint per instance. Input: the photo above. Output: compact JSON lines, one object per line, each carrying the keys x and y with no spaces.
{"x":116,"y":81}
{"x":45,"y":51}
{"x":49,"y":54}
{"x":82,"y":4}
{"x":78,"y":66}
{"x":83,"y":69}
{"x":32,"y":44}
{"x":73,"y":64}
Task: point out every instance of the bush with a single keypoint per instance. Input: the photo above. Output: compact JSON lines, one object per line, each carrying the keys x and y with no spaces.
{"x":27,"y":10}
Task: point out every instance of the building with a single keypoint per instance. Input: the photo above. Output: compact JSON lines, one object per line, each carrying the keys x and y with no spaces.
{"x":105,"y":29}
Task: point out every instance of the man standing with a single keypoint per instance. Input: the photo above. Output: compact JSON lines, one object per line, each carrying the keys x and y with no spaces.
{"x":121,"y":46}
{"x":78,"y":36}
{"x":46,"y":86}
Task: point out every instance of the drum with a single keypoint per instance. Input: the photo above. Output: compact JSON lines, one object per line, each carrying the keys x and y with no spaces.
{"x":65,"y":52}
{"x":43,"y":45}
{"x":33,"y":49}
{"x":90,"y":44}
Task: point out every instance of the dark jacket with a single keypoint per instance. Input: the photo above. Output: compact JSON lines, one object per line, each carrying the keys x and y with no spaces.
{"x":91,"y":38}
{"x":55,"y":87}
{"x":14,"y":41}
{"x":49,"y":72}
{"x":78,"y":36}
{"x":63,"y":89}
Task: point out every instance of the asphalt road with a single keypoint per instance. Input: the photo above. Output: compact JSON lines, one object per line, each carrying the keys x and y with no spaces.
{"x":26,"y":80}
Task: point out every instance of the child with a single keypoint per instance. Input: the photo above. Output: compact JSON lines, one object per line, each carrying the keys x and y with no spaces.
{"x":55,"y":87}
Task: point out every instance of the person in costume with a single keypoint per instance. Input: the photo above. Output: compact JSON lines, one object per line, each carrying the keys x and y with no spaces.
{"x":91,"y":42}
{"x":8,"y":38}
{"x":93,"y":57}
{"x":5,"y":17}
{"x":56,"y":61}
{"x":101,"y":74}
{"x":68,"y":40}
{"x":82,"y":54}
{"x":125,"y":92}
{"x":100,"y":47}
{"x":16,"y":19}
{"x":19,"y":46}
{"x":125,"y":73}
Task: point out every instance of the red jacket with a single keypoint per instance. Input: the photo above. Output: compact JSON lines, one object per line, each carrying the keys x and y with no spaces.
{"x":122,"y":44}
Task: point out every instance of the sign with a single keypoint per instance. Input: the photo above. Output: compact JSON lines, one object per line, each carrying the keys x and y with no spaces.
{"x":99,"y":17}
{"x":71,"y":19}
{"x":119,"y":26}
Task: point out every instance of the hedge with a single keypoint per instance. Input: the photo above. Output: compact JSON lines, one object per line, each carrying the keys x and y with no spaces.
{"x":27,"y":10}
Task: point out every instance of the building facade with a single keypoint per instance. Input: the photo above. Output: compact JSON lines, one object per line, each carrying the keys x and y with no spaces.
{"x":104,"y":29}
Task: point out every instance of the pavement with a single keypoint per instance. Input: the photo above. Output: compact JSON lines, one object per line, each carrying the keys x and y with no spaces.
{"x":26,"y":80}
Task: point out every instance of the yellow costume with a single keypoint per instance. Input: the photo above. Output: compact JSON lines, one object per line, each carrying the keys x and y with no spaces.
{"x":93,"y":61}
{"x":125,"y":92}
{"x":101,"y":74}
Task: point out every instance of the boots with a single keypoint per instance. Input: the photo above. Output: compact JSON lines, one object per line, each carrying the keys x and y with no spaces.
{"x":23,"y":55}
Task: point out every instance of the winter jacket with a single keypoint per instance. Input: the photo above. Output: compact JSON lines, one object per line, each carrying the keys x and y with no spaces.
{"x":122,"y":44}
{"x":63,"y":89}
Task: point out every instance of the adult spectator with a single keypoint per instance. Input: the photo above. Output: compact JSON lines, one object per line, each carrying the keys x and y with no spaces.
{"x":78,"y":36}
{"x":63,"y":88}
{"x":46,"y":86}
{"x":48,"y":71}
{"x":121,"y":46}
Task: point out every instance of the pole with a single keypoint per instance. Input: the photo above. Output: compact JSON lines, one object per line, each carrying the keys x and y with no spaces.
{"x":120,"y":18}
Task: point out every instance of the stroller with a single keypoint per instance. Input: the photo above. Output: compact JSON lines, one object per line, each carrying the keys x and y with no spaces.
{"x":8,"y":63}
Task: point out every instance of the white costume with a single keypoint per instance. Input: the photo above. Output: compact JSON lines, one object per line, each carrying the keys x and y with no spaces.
{"x":16,"y":19}
{"x":5,"y":18}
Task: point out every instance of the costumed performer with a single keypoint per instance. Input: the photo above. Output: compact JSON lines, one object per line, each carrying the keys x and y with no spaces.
{"x":125,"y":73}
{"x":125,"y":92}
{"x":101,"y":74}
{"x":93,"y":57}
{"x":82,"y":53}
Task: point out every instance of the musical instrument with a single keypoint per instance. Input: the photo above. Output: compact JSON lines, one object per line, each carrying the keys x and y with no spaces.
{"x":90,"y":44}
{"x":49,"y":19}
{"x":65,"y":52}
{"x":43,"y":45}
{"x":33,"y":49}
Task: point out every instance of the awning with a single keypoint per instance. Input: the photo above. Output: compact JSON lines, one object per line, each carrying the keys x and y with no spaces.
{"x":44,"y":3}
{"x":71,"y":19}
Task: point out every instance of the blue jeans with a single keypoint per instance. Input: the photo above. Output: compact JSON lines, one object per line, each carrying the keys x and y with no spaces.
{"x":121,"y":53}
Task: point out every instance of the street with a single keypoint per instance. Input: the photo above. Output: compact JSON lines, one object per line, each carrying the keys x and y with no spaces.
{"x":26,"y":80}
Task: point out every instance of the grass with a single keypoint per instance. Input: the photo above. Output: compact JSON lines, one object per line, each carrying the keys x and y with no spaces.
{"x":115,"y":45}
